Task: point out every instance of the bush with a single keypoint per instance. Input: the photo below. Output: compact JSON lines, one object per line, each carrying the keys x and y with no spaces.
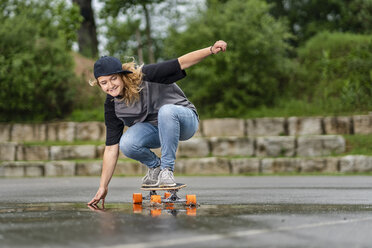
{"x":36,"y":70}
{"x":336,"y":67}
{"x":254,"y":70}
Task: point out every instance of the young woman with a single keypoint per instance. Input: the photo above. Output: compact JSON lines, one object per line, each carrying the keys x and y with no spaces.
{"x":157,"y":112}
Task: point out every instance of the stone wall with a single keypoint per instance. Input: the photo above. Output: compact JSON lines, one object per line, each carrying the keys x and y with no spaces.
{"x":195,"y":166}
{"x":221,"y":146}
{"x":225,"y":127}
{"x":274,"y":146}
{"x":59,"y":131}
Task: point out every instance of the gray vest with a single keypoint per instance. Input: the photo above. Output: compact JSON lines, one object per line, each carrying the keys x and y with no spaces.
{"x":152,"y":97}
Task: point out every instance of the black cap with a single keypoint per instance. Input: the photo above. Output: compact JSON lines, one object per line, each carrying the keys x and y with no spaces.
{"x":108,"y":65}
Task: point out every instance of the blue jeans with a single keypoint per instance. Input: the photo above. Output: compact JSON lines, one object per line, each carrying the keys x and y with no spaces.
{"x":175,"y":123}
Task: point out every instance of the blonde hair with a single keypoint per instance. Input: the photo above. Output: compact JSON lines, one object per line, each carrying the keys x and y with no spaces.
{"x":132,"y":82}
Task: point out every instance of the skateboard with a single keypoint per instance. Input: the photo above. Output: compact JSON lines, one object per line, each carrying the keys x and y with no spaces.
{"x":170,"y":196}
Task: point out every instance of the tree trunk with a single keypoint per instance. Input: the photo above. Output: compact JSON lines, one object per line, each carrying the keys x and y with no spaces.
{"x":139,"y":49}
{"x":87,"y":34}
{"x":148,"y":34}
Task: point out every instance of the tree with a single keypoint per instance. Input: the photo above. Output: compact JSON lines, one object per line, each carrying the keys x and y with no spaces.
{"x":115,"y":7}
{"x":133,"y":35}
{"x":307,"y":18}
{"x":337,"y":70}
{"x":252,"y":73}
{"x":87,"y":34}
{"x":36,"y":68}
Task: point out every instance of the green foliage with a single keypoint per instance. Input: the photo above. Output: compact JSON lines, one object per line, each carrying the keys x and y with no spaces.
{"x":254,"y":70}
{"x":358,"y":144}
{"x":36,"y":69}
{"x":336,"y":67}
{"x":131,"y":29}
{"x":307,"y":18}
{"x":88,"y":114}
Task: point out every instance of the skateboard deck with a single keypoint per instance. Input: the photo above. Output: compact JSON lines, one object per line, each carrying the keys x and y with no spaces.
{"x":178,"y":186}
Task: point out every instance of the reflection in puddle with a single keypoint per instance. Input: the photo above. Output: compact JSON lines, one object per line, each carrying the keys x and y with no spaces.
{"x":76,"y":225}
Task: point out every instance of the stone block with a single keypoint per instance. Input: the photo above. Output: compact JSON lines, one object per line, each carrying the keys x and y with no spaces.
{"x":34,"y":171}
{"x":206,"y":166}
{"x":232,"y":146}
{"x":356,"y":163}
{"x":266,"y":127}
{"x":320,"y":145}
{"x":89,"y":168}
{"x":362,"y":124}
{"x":103,"y":133}
{"x":309,"y":146}
{"x":313,"y":165}
{"x":22,"y":132}
{"x":277,"y":165}
{"x":13,"y":169}
{"x":194,"y":147}
{"x":60,"y":168}
{"x":52,"y":131}
{"x":179,"y":167}
{"x":30,"y":153}
{"x":224,"y":127}
{"x":121,"y":155}
{"x":337,"y":125}
{"x":72,"y":152}
{"x":305,"y":126}
{"x":129,"y":168}
{"x":333,"y":144}
{"x":332,"y":164}
{"x":100,"y":149}
{"x":275,"y":146}
{"x":245,"y":165}
{"x":66,"y":131}
{"x":8,"y":151}
{"x":5,"y":132}
{"x":199,"y":132}
{"x":89,"y":131}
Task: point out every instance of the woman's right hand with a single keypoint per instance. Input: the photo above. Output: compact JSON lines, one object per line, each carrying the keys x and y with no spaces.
{"x":100,"y":195}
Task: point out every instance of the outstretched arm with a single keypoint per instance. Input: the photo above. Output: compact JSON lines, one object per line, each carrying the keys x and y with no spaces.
{"x":110,"y":158}
{"x":195,"y":57}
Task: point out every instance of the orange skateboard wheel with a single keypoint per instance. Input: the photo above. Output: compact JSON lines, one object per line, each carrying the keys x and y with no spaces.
{"x":137,"y":208}
{"x":156,"y":199}
{"x":167,"y":195}
{"x":137,"y":198}
{"x":155,"y":212}
{"x":190,"y":199}
{"x":191,"y":211}
{"x":169,"y":206}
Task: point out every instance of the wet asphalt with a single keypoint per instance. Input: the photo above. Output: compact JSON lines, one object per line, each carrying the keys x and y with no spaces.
{"x":268,"y":211}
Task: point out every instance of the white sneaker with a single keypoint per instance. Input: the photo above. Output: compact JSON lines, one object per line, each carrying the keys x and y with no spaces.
{"x":151,"y":178}
{"x":166,"y":178}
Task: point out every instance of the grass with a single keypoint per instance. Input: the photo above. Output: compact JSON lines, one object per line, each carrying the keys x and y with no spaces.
{"x":80,"y":115}
{"x":296,"y":107}
{"x":283,"y":108}
{"x":358,"y":144}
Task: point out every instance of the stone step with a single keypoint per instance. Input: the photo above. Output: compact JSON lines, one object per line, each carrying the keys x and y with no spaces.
{"x":70,"y":131}
{"x":270,"y":146}
{"x":195,"y":166}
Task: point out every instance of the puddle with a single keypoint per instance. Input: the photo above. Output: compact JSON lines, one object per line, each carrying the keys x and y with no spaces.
{"x":76,"y":225}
